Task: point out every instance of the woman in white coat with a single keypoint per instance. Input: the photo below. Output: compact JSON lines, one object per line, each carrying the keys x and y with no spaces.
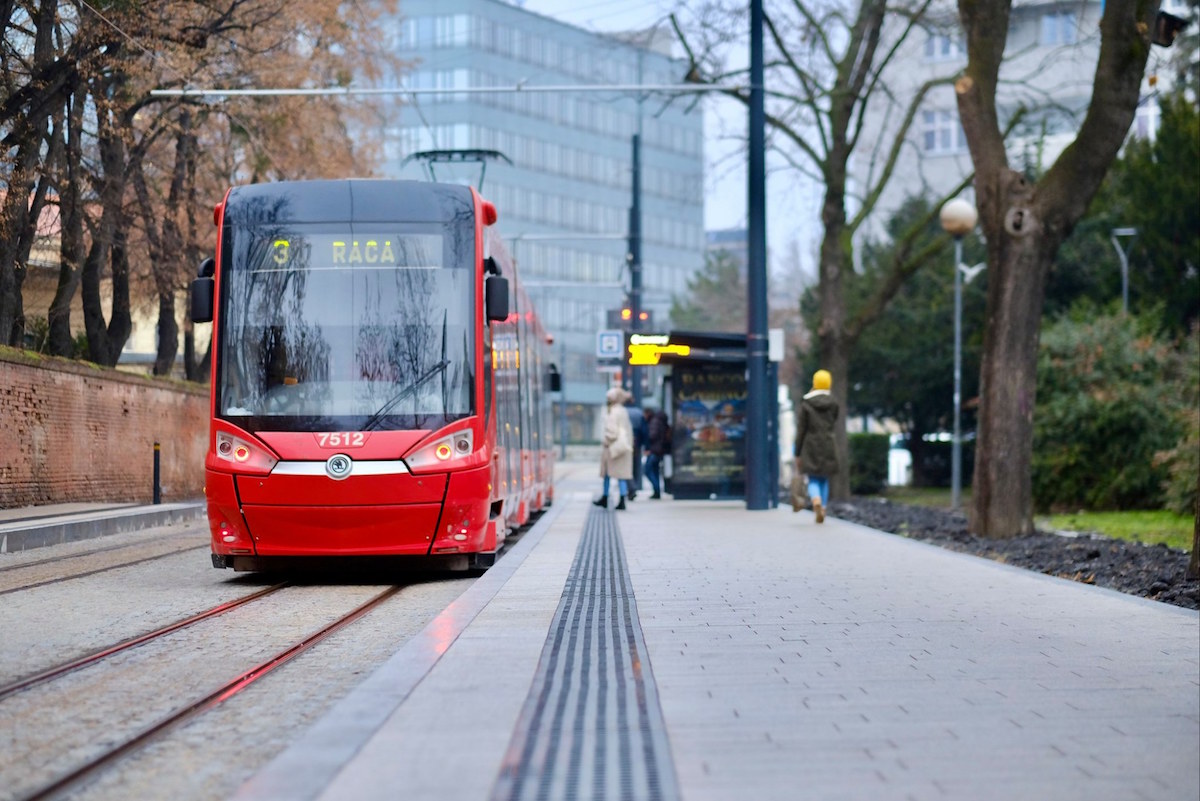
{"x":616,"y":457}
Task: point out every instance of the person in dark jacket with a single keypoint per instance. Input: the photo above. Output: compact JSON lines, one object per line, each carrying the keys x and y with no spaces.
{"x":638,"y":422}
{"x":816,"y":449}
{"x":658,"y":444}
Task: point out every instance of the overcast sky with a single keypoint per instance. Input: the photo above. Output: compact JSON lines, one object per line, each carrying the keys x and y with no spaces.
{"x":791,"y":211}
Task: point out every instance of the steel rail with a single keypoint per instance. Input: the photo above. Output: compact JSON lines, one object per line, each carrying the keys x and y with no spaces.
{"x":84,"y":661}
{"x":77,"y":554}
{"x":206,"y":703}
{"x":101,"y":569}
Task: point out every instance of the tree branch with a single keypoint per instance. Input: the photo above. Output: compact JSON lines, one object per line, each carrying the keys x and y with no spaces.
{"x":817,"y":29}
{"x":1070,"y":184}
{"x":976,"y":89}
{"x":871,"y":197}
{"x":808,"y":83}
{"x":904,"y":264}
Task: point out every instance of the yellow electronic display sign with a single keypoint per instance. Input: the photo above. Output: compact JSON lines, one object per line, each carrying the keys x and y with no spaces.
{"x":646,"y":349}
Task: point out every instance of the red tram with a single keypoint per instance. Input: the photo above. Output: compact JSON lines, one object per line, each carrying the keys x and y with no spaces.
{"x":379,"y":380}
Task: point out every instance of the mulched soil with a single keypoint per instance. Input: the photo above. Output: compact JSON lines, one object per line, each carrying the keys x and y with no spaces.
{"x":1151,"y":571}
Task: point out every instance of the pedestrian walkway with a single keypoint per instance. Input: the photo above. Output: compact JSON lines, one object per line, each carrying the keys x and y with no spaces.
{"x":38,"y":526}
{"x":696,"y":650}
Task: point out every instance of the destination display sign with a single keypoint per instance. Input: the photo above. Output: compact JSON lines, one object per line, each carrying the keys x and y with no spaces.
{"x":646,"y":350}
{"x":370,"y":250}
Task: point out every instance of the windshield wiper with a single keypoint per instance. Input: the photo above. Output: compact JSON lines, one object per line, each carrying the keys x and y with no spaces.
{"x":404,"y":394}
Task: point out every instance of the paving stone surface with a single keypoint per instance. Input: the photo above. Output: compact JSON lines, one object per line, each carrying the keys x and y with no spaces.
{"x":803,"y":661}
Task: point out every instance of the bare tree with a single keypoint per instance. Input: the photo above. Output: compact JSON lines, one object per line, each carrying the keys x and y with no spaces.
{"x":25,"y":115}
{"x":188,"y":151}
{"x":70,"y":180}
{"x":76,"y":115}
{"x":823,"y":71}
{"x":1025,"y":223}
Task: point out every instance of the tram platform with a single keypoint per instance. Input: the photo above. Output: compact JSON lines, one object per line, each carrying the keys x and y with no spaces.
{"x":37,"y":526}
{"x":696,"y":650}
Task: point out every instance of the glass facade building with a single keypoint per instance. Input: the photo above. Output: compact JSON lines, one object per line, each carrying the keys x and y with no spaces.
{"x":564,"y":200}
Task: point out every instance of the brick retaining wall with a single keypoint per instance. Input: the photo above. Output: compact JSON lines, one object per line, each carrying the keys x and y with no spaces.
{"x":72,"y":431}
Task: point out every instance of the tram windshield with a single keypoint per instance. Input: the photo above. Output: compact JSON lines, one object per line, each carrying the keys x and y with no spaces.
{"x":347,"y":326}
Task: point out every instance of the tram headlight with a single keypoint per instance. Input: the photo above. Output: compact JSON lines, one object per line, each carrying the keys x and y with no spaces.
{"x":442,"y":452}
{"x":246,"y":455}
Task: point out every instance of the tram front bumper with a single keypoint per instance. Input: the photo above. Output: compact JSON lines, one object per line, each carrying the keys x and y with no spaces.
{"x":282,"y":516}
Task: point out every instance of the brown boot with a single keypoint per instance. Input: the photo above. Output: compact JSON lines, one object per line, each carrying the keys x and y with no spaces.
{"x":819,"y":510}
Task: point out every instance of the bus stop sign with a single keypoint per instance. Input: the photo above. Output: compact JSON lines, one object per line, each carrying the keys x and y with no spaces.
{"x":610,"y":344}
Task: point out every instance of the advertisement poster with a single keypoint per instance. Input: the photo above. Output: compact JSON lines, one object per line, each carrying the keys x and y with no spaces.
{"x":709,"y":431}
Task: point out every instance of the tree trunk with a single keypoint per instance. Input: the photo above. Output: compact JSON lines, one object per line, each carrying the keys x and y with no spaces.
{"x":1002,"y":492}
{"x":1024,"y":226}
{"x":105,"y":340}
{"x":189,"y":351}
{"x":831,"y":333}
{"x":14,"y":223}
{"x":24,"y":248}
{"x":169,"y":266}
{"x":120,"y":323}
{"x":26,"y":132}
{"x":61,"y":340}
{"x":168,"y":334}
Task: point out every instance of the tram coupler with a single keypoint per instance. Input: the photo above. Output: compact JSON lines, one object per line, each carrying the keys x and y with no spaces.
{"x":482,"y":561}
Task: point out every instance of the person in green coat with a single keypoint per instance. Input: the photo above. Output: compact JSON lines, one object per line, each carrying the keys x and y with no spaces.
{"x":816,"y":449}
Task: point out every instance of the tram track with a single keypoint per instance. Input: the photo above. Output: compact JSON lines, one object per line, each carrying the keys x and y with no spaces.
{"x":112,"y":755}
{"x":83,"y":574}
{"x":76,"y":555}
{"x":104,"y":653}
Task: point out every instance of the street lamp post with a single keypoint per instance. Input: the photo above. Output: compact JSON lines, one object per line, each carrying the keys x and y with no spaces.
{"x":1123,"y":255}
{"x":958,"y":218}
{"x":758,"y":402}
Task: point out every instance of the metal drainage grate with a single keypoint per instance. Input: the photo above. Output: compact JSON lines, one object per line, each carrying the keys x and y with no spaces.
{"x":591,"y":727}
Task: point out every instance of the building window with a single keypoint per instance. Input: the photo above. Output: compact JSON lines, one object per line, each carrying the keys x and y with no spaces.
{"x":943,"y":47}
{"x":1059,"y":28}
{"x":941,"y":132}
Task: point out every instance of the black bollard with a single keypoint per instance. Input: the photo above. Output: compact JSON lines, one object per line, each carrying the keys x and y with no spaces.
{"x":157,"y":487}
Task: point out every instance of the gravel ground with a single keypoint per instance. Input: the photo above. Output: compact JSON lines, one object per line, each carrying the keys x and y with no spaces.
{"x":1151,"y":571}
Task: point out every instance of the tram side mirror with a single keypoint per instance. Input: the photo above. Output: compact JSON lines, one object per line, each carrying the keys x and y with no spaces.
{"x":202,"y":292}
{"x":554,"y":379}
{"x":495,"y":297}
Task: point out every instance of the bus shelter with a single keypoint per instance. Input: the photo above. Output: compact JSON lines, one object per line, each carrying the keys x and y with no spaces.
{"x":708,"y":406}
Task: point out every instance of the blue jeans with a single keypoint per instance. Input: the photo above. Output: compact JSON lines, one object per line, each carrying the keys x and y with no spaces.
{"x":621,"y":483}
{"x":818,"y":487}
{"x":653,"y":473}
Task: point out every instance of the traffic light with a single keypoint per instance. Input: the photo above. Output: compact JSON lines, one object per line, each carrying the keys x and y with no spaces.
{"x":623,"y":318}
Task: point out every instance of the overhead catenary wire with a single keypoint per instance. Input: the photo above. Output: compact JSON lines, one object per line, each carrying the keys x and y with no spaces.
{"x":350,"y":91}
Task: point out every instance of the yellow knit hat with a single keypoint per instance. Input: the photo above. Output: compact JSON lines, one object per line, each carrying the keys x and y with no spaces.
{"x":822,"y":380}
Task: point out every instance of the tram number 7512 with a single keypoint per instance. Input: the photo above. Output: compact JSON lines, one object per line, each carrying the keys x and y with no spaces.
{"x":342,"y":439}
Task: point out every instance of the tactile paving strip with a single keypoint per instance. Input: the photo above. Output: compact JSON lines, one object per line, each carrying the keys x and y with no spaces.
{"x":592,"y":727}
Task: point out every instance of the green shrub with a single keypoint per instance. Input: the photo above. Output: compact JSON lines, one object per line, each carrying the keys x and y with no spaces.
{"x":868,"y":463}
{"x":1183,"y":461}
{"x":37,"y":338}
{"x":1109,"y":398}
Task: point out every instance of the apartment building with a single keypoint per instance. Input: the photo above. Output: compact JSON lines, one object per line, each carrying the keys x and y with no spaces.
{"x":1050,"y":60}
